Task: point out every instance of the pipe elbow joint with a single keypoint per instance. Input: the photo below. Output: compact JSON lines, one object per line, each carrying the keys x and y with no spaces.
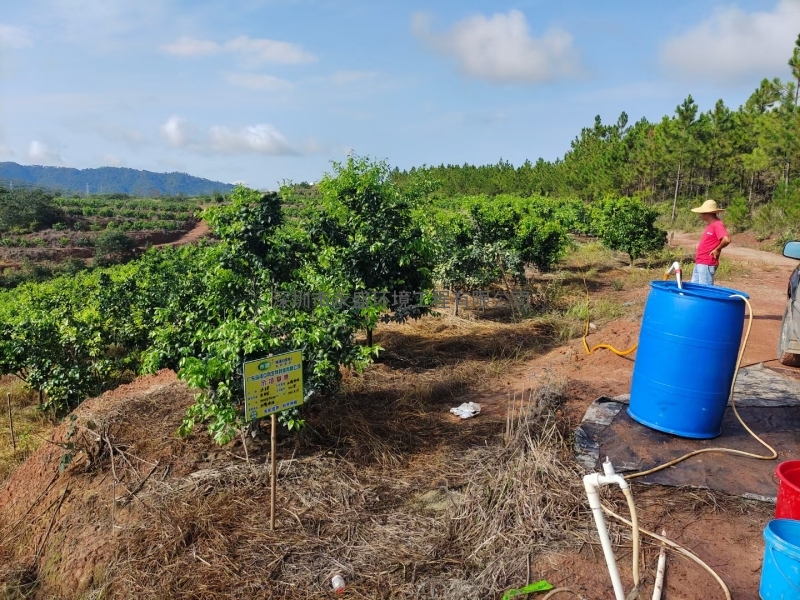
{"x":593,"y":481}
{"x":615,"y":479}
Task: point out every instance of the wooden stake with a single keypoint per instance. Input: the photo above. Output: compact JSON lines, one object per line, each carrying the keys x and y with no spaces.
{"x":11,"y":422}
{"x":272,"y":477}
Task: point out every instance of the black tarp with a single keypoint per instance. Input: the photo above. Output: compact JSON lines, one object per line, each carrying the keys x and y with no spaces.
{"x":767,"y":401}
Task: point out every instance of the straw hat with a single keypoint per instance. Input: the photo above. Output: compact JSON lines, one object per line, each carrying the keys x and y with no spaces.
{"x":709,"y":206}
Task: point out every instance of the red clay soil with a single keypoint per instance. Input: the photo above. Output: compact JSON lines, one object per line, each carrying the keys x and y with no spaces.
{"x":730,"y":538}
{"x":62,"y":522}
{"x":200,"y":230}
{"x":726,"y":533}
{"x":66,"y":524}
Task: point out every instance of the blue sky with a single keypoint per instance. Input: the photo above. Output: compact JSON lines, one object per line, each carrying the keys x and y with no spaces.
{"x":265,"y":90}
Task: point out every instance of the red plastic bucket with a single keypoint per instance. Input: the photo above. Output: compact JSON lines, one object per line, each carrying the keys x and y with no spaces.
{"x":788,"y":506}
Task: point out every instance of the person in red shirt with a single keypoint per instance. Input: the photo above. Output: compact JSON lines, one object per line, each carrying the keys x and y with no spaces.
{"x":714,"y":238}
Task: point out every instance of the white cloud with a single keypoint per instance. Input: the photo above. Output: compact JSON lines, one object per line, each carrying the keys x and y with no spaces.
{"x":255,"y":81}
{"x":187,"y":46}
{"x":271,"y":51}
{"x":252,"y":139}
{"x":732,"y":44}
{"x":101,"y":21}
{"x":501,"y":49}
{"x":41,"y":154}
{"x":252,"y":50}
{"x":178,"y":131}
{"x":14,"y":37}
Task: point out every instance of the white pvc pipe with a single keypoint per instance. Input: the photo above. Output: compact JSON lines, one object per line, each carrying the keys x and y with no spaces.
{"x":662,"y":565}
{"x":592,"y":482}
{"x":675,"y":268}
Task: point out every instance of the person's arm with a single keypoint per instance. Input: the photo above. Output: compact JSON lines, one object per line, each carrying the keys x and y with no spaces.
{"x":724,"y":241}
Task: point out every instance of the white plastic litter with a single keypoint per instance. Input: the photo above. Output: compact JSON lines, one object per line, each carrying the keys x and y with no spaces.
{"x":467,"y":410}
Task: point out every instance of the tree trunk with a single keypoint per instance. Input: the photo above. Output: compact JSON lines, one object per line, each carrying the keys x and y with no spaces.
{"x":750,"y":197}
{"x":691,"y":173}
{"x":786,"y":173}
{"x":369,"y":336}
{"x":675,"y":199}
{"x":710,"y":177}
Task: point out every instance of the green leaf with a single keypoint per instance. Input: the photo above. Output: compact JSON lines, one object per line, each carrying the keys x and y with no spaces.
{"x":531,"y":588}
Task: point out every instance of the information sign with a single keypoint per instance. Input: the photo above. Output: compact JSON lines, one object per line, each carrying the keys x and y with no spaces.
{"x":273,"y":384}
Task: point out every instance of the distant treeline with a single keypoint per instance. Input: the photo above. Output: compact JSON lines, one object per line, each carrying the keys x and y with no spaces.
{"x":751,"y":154}
{"x":107,"y":180}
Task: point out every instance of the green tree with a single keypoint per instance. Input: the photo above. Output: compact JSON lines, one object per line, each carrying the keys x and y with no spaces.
{"x":27,"y":209}
{"x":112,"y":247}
{"x":628,"y":225}
{"x":681,"y":143}
{"x":794,"y":64}
{"x":364,"y":232}
{"x":719,"y":124}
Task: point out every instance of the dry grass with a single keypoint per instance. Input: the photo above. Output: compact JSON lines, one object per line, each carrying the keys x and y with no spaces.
{"x":30,"y":425}
{"x":593,"y":254}
{"x":436,"y":341}
{"x":446,"y":520}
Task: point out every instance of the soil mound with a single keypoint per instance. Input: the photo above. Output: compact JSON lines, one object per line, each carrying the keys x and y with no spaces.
{"x":57,"y":527}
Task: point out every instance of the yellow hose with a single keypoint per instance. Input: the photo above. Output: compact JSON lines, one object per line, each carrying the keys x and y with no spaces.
{"x":603,"y":346}
{"x":635,"y":536}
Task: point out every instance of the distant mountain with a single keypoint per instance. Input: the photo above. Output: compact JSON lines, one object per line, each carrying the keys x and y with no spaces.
{"x":107,"y":180}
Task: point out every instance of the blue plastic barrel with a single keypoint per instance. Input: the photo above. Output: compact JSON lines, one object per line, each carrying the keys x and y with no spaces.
{"x":780,"y":571}
{"x":688,"y":345}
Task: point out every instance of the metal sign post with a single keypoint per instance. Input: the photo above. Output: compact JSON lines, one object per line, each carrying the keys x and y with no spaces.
{"x":271,"y":385}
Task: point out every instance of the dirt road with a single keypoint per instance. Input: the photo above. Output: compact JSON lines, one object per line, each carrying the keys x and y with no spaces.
{"x":688,"y":241}
{"x":200,"y":230}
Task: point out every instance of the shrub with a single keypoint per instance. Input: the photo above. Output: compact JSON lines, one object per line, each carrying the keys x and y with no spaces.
{"x":113,"y":247}
{"x":628,"y":225}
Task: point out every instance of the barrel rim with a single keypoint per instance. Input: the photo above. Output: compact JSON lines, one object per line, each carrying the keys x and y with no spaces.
{"x":783,"y":467}
{"x":699,"y":290}
{"x":783,"y":546}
